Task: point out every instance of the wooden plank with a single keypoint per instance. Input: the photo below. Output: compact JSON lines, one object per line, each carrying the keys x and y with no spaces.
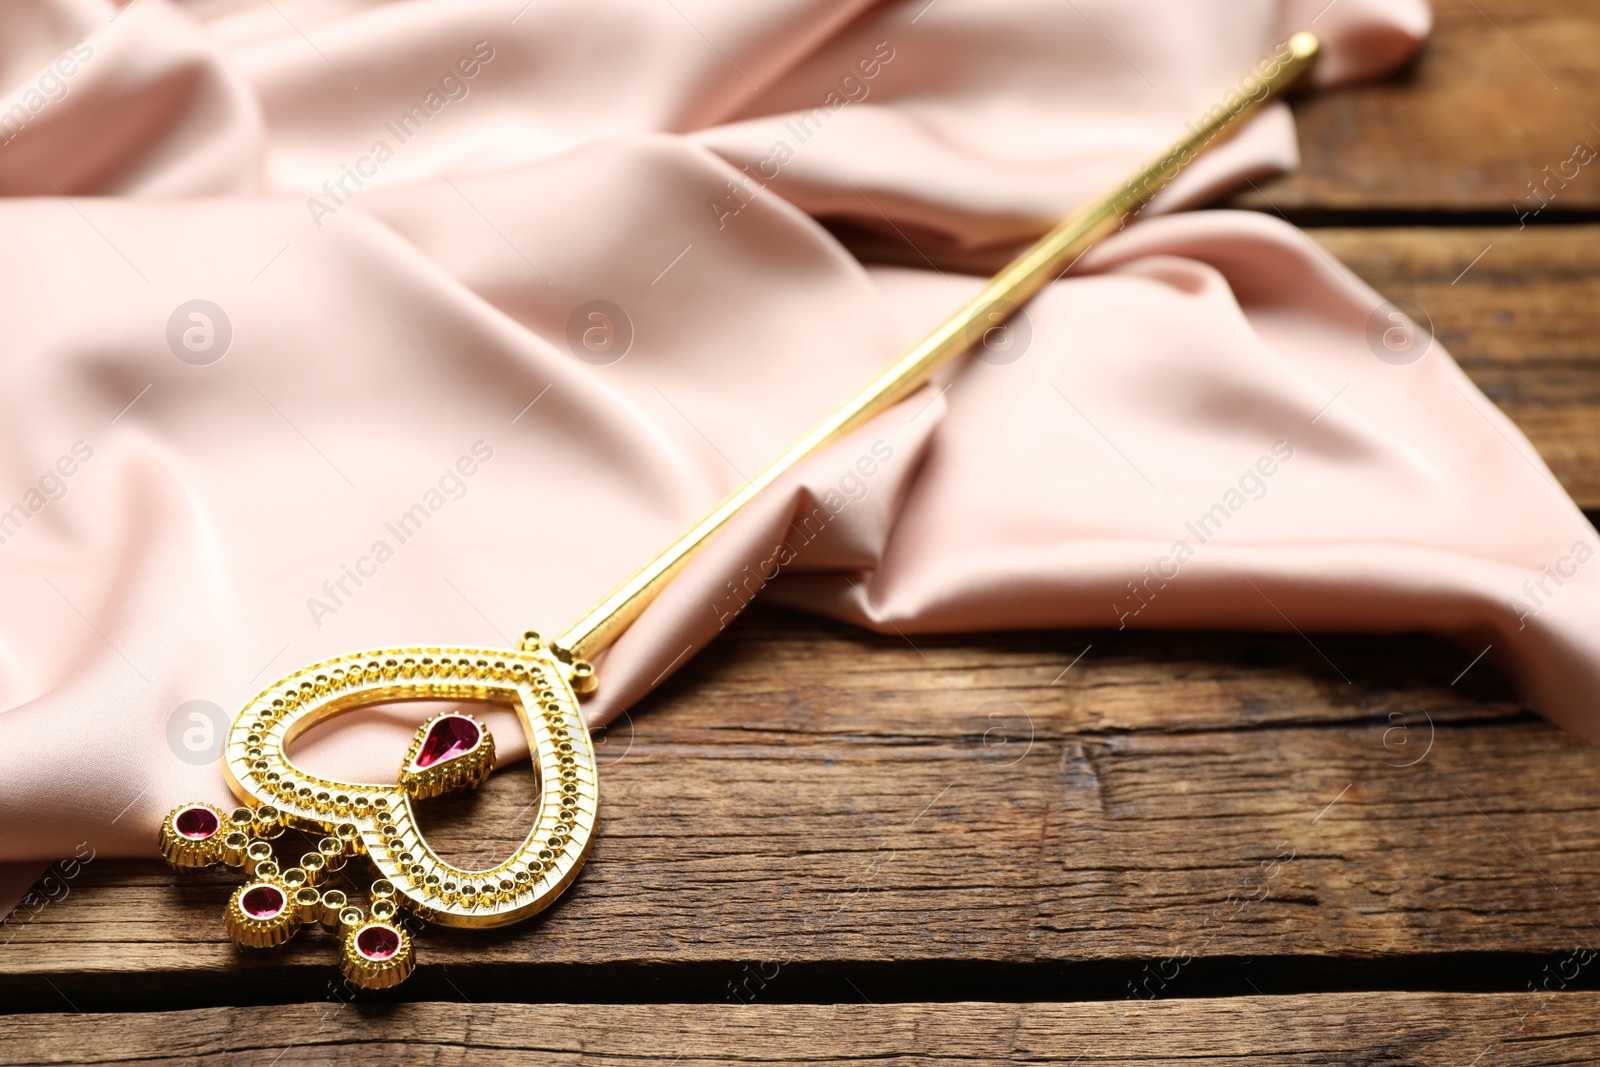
{"x":1523,"y":321}
{"x":1420,"y":1029}
{"x":806,"y":794}
{"x":1503,"y":89}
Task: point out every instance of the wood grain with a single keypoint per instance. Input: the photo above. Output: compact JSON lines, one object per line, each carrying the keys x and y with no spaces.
{"x":805,"y":793}
{"x":1502,"y":90}
{"x":1368,"y":1028}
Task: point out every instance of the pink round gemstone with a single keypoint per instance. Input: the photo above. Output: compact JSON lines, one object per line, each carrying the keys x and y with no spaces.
{"x":263,"y":901}
{"x":378,"y":942}
{"x":196,"y":823}
{"x":449,"y":737}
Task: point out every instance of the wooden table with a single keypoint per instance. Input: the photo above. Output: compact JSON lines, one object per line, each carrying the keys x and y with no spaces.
{"x":822,"y":844}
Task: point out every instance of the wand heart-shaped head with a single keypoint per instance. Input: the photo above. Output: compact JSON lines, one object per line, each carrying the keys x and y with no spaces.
{"x":451,"y":750}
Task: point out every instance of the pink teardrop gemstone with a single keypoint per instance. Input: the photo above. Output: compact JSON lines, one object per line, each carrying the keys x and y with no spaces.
{"x":449,"y":737}
{"x":263,"y":901}
{"x":377,"y":942}
{"x":196,"y":823}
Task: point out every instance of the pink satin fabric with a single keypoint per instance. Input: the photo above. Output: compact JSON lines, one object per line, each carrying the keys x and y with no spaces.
{"x":406,"y":331}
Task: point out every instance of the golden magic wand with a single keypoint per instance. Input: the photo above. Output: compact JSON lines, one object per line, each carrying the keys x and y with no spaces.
{"x":364,"y":824}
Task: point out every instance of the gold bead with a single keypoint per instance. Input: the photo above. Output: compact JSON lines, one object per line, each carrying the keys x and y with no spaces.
{"x":349,"y":835}
{"x":383,"y":909}
{"x":308,"y":904}
{"x":269,"y":822}
{"x":332,"y":850}
{"x":584,"y":680}
{"x":382,"y":889}
{"x":350,"y":917}
{"x":314,"y":867}
{"x":330,"y":904}
{"x":256,"y":853}
{"x":233,"y":847}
